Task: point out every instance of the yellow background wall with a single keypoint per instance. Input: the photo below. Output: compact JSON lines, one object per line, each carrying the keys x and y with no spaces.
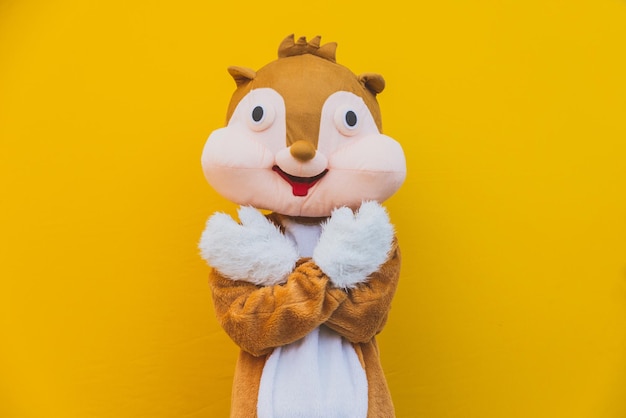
{"x":512,"y":221}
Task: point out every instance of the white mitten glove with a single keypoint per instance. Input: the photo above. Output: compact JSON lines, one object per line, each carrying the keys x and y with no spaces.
{"x":354,"y":245}
{"x":255,"y":250}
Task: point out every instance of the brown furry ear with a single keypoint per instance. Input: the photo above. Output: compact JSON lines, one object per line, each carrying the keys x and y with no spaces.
{"x":373,"y":82}
{"x":241,"y":75}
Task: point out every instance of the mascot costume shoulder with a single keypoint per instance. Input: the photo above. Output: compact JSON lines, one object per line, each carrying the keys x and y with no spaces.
{"x":304,"y":290}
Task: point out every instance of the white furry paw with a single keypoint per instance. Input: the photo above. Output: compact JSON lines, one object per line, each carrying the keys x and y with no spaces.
{"x":354,"y":245}
{"x":254,"y":250}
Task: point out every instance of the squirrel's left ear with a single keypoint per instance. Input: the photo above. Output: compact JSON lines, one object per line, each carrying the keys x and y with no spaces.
{"x":373,"y":82}
{"x":241,"y":75}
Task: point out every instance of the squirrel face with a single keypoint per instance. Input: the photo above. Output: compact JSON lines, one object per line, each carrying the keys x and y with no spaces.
{"x":303,"y":137}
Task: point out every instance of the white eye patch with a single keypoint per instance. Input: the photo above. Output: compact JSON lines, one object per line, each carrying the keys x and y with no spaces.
{"x":345,"y":117}
{"x":260,"y":115}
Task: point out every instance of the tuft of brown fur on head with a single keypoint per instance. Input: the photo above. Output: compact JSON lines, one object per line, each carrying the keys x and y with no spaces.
{"x":290,"y":48}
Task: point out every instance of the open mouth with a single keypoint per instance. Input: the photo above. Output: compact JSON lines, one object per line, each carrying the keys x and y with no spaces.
{"x":299,"y":185}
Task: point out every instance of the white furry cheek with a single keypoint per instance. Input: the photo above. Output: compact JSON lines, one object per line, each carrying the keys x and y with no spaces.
{"x":375,"y":153}
{"x":233,"y":147}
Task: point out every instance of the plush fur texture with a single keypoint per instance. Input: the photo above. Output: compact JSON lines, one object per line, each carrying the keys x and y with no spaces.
{"x":354,"y":245}
{"x":254,"y":250}
{"x":330,"y":381}
{"x":304,"y":291}
{"x":259,"y":319}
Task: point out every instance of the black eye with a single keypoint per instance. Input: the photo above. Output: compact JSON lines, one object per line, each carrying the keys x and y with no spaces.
{"x":351,"y":119}
{"x":257,"y":114}
{"x":260,"y":117}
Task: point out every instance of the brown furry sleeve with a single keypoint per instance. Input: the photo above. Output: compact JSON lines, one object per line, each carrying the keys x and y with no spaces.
{"x":364,"y":312}
{"x":261,"y":318}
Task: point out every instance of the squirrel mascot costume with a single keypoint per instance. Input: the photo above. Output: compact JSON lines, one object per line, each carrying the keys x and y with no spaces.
{"x":304,"y":290}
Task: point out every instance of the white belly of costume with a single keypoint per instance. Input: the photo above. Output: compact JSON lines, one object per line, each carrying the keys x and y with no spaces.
{"x":318,"y":376}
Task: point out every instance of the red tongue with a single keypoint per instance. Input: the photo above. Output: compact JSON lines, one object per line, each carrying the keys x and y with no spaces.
{"x":300,"y":189}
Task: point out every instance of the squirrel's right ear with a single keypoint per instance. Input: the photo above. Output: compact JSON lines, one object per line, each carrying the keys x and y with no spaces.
{"x":241,"y":75}
{"x":373,"y":82}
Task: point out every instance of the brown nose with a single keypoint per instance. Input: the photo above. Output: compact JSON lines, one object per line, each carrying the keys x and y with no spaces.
{"x":302,"y":151}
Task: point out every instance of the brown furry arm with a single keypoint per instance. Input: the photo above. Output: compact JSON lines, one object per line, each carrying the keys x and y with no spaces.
{"x":261,"y":318}
{"x":364,"y":312}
